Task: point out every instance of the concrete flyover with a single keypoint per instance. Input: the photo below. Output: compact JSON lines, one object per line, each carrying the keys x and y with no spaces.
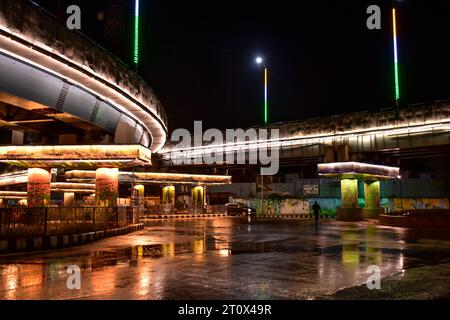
{"x":421,"y":130}
{"x":58,"y":75}
{"x":65,"y":102}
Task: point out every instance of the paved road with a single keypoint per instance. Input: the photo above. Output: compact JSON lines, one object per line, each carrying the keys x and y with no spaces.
{"x":225,"y":258}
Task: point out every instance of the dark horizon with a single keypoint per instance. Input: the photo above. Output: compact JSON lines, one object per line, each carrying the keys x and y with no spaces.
{"x":199,"y":58}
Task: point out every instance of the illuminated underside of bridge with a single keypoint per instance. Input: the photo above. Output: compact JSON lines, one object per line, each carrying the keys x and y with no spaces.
{"x":67,"y":103}
{"x":49,"y":75}
{"x":422,"y":130}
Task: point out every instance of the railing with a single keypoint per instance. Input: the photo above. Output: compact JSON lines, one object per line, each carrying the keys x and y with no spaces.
{"x":169,"y":209}
{"x":25,"y":221}
{"x":216,"y":208}
{"x":196,"y":210}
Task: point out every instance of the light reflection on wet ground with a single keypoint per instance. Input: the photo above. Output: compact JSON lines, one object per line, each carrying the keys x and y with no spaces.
{"x":224,"y":258}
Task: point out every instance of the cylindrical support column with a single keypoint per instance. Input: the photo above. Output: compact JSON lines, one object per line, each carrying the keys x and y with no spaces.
{"x":349,"y":193}
{"x":69,"y":199}
{"x":106,"y":187}
{"x":39,"y":187}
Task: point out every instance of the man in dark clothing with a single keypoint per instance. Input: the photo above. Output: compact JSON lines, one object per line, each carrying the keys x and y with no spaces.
{"x":317,"y":211}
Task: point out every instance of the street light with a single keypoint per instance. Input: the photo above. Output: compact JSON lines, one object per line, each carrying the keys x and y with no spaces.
{"x":397,"y":85}
{"x":259,"y":60}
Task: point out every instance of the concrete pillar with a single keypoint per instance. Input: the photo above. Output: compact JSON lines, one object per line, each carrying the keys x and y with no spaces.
{"x":69,"y":199}
{"x":139,"y":193}
{"x":372,"y":199}
{"x":372,"y":194}
{"x":349,"y":210}
{"x":70,"y":139}
{"x":342,"y":153}
{"x":198,"y":196}
{"x":328,"y":155}
{"x":17,"y":137}
{"x":205,"y":203}
{"x":106,"y":187}
{"x":140,"y":189}
{"x":349,"y":193}
{"x":168,"y":195}
{"x":168,"y":199}
{"x":39,"y":187}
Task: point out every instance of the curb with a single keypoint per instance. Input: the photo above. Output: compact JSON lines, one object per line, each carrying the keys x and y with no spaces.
{"x":289,"y":216}
{"x":62,"y":241}
{"x":185,"y":216}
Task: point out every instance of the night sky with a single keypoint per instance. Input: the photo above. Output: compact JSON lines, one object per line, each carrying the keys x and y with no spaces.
{"x":199,"y":56}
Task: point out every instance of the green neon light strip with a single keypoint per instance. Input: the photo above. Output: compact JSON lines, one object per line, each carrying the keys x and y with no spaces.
{"x":136,"y":33}
{"x":265,"y":96}
{"x":397,"y":86}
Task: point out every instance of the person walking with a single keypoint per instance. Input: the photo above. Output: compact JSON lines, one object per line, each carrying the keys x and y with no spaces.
{"x":317,"y":211}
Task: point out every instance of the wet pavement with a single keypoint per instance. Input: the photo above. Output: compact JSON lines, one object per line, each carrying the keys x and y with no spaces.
{"x":230,"y":258}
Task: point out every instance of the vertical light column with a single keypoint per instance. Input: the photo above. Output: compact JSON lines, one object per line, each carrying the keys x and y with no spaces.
{"x":265,"y":96}
{"x":136,"y":33}
{"x":106,"y":187}
{"x":39,"y":187}
{"x":394,"y":27}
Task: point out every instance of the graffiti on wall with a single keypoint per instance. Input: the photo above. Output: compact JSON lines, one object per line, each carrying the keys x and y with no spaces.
{"x":277,"y":206}
{"x":420,"y":203}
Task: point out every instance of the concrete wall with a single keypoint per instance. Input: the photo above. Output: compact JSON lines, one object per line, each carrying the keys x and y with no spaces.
{"x":241,"y":190}
{"x":330,"y":188}
{"x":395,"y":194}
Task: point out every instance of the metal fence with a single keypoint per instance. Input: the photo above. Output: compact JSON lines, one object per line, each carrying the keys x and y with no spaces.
{"x":25,"y":221}
{"x":188,"y":209}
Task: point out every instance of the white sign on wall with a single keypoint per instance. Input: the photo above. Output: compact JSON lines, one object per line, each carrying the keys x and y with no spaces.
{"x":310,"y":189}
